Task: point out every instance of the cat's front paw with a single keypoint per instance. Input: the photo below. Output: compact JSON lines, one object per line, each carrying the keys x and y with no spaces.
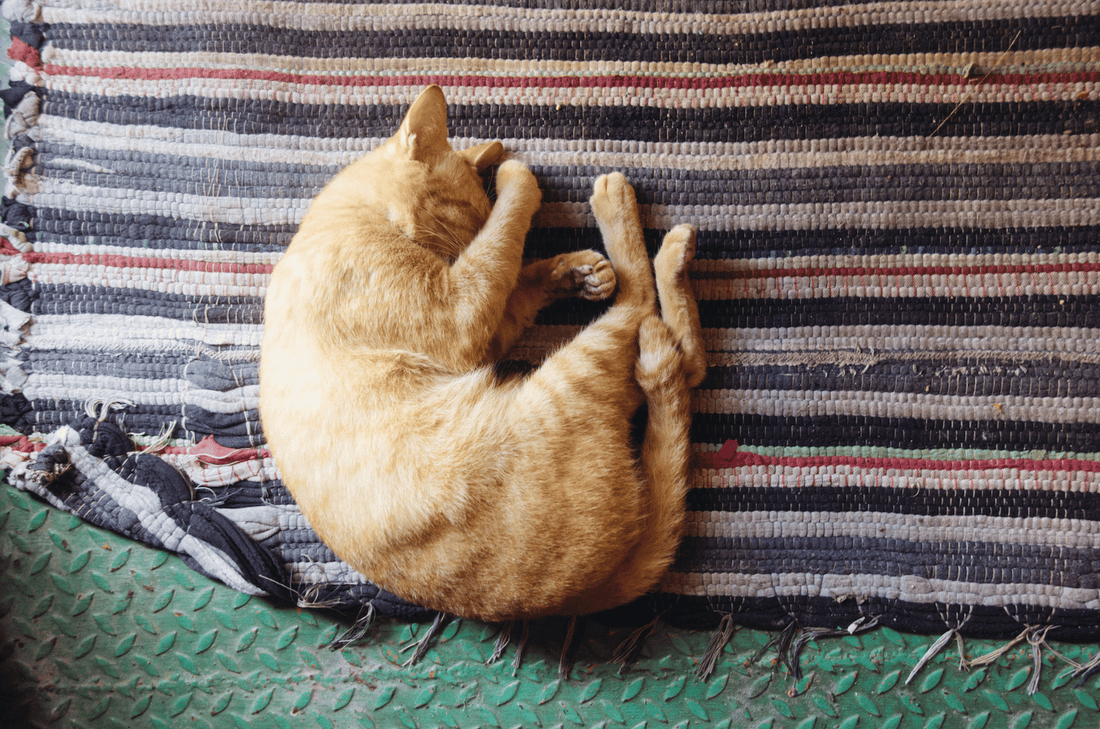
{"x":586,"y":274}
{"x":517,"y":182}
{"x":613,"y":199}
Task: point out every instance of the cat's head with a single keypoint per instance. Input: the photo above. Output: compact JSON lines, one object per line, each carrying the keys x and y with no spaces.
{"x":445,"y":199}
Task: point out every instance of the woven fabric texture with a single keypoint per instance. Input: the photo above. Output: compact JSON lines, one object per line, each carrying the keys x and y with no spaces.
{"x":898,"y":264}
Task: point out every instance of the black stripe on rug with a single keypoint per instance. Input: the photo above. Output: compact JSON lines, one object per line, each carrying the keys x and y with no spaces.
{"x":637,"y":123}
{"x":978,"y":36}
{"x":825,"y":431}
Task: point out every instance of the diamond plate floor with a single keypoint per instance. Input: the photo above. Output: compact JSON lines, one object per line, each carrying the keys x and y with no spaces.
{"x":97,"y":631}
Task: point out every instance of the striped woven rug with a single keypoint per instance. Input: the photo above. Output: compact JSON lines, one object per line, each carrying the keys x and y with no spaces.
{"x":898,"y":270}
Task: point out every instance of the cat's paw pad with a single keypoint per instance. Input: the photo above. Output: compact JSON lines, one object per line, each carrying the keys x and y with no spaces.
{"x":677,"y":251}
{"x":513,"y":178}
{"x":586,"y":274}
{"x":612,"y":196}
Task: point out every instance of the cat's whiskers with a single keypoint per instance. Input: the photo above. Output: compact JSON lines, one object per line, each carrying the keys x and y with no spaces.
{"x":437,"y":229}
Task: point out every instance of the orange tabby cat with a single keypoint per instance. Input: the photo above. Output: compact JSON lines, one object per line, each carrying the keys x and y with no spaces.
{"x":457,"y":490}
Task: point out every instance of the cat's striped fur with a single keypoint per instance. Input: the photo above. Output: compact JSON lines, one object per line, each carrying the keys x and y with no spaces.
{"x":495,"y":498}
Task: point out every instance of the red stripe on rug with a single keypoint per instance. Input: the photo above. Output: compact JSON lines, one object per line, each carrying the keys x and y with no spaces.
{"x":117,"y":261}
{"x":922,"y":271}
{"x":20,"y":51}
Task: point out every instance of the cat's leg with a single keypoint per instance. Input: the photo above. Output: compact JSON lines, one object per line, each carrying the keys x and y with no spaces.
{"x":671,"y":360}
{"x":678,"y":307}
{"x":616,"y":211}
{"x":484,"y":275}
{"x":586,"y":274}
{"x":597,"y":366}
{"x":665,"y":457}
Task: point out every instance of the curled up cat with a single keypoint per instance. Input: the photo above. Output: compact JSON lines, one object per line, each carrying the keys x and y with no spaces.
{"x":480,"y":496}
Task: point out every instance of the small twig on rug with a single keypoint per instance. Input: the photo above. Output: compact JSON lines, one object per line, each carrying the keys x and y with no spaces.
{"x":966,"y":96}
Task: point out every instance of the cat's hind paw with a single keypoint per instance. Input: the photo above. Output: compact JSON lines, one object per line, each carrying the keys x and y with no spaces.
{"x":586,"y":274}
{"x":678,"y":307}
{"x":677,"y":251}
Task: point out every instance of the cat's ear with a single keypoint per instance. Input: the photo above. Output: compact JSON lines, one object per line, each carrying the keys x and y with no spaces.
{"x":423,"y":133}
{"x":484,"y":155}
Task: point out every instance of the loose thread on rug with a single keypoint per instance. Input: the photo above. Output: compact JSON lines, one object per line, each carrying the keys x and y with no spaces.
{"x":309,"y":598}
{"x":161,"y":441}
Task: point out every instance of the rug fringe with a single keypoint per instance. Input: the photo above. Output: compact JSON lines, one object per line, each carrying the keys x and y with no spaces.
{"x":628,"y":650}
{"x":24,"y":10}
{"x":420,"y":647}
{"x":790,"y":651}
{"x":782,"y":644}
{"x":24,"y":116}
{"x":932,"y":652}
{"x":504,"y":637}
{"x":1086,"y":670}
{"x":358,"y":630}
{"x":573,"y":632}
{"x":719,"y":639}
{"x":525,"y":633}
{"x":985,"y":660}
{"x":1036,"y":637}
{"x":1037,"y":640}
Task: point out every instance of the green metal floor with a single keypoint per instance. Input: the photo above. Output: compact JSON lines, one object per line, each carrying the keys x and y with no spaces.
{"x":98,"y":631}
